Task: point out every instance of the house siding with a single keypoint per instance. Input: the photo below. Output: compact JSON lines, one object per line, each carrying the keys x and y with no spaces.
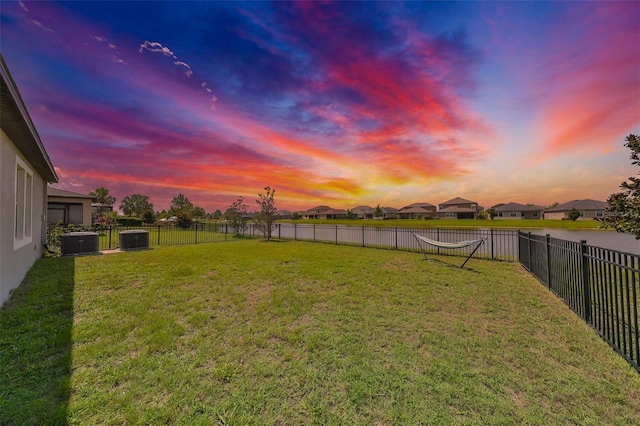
{"x":14,"y":263}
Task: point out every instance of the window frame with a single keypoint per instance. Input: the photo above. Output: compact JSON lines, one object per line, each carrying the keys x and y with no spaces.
{"x":23,"y":205}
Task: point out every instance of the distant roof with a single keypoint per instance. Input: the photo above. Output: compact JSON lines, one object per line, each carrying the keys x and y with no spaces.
{"x":458,"y":200}
{"x":389,"y":210}
{"x":418,"y":210}
{"x":423,"y":206}
{"x":456,"y":209}
{"x":512,"y":207}
{"x":579,"y":205}
{"x":318,"y":209}
{"x":362,"y":209}
{"x":55,"y":192}
{"x":16,"y":123}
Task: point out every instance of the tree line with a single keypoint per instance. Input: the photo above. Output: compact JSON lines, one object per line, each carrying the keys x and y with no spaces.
{"x":185,"y":213}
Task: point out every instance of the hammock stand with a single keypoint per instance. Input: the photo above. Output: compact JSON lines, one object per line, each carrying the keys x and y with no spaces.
{"x":443,"y":245}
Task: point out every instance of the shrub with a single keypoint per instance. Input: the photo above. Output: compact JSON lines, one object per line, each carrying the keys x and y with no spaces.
{"x":129,"y":221}
{"x":184,"y":221}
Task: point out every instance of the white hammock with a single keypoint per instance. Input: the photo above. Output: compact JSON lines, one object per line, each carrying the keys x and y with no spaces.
{"x":441,"y":244}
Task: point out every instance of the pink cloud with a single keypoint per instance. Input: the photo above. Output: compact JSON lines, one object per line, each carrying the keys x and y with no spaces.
{"x":592,"y":87}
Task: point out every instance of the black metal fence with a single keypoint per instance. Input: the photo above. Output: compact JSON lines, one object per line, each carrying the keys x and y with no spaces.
{"x":159,"y":235}
{"x":600,"y":285}
{"x":499,"y":244}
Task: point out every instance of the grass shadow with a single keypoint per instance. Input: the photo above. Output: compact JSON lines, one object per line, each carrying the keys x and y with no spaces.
{"x":35,"y":346}
{"x":451,"y":265}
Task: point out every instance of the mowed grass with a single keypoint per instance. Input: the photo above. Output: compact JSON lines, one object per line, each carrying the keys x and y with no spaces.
{"x":291,"y":333}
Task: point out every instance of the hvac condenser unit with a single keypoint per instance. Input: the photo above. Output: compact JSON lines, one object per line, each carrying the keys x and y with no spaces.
{"x":79,"y":243}
{"x":134,"y":239}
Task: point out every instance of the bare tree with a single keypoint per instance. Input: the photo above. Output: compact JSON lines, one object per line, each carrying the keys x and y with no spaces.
{"x":265,"y":219}
{"x":236,"y":215}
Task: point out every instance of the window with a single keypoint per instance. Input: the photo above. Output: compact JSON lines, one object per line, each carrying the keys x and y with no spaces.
{"x":599,"y":213}
{"x":64,"y":213}
{"x":24,"y":205}
{"x":450,"y":215}
{"x":513,"y":214}
{"x":535,"y":214}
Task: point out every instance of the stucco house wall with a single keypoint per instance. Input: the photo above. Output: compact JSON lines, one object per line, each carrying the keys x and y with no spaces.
{"x":18,"y":255}
{"x":25,"y":169}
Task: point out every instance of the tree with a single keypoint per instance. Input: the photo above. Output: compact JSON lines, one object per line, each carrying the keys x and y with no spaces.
{"x":236,"y":215}
{"x":295,"y":216}
{"x":198,"y":213}
{"x":181,"y":204}
{"x":349,"y":214}
{"x":101,"y":195}
{"x":623,"y":212}
{"x":217,"y":214}
{"x":184,"y":221}
{"x":135,"y":205}
{"x":266,"y":218}
{"x":482,"y":215}
{"x":492,"y":213}
{"x":148,"y":216}
{"x":573,"y":214}
{"x":377,"y":212}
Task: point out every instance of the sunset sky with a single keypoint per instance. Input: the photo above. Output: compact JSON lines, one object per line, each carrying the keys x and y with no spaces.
{"x":338,"y":103}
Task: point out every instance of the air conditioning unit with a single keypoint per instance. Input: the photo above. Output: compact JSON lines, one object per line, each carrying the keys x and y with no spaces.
{"x":134,"y":239}
{"x":79,"y":243}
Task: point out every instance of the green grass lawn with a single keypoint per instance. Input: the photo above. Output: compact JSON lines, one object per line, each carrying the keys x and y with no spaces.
{"x":293,"y":333}
{"x":457,"y":223}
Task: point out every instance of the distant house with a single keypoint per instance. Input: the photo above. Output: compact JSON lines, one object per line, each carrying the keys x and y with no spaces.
{"x":390,"y":213}
{"x":68,"y":208}
{"x":458,"y":208}
{"x":325,"y":212}
{"x":518,"y":211}
{"x":25,"y":170}
{"x":97,"y":208}
{"x":422,"y":210}
{"x":363,"y":212}
{"x":588,"y":209}
{"x":284,"y":214}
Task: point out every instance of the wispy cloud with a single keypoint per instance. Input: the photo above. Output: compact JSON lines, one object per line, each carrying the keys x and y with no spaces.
{"x":42,"y":26}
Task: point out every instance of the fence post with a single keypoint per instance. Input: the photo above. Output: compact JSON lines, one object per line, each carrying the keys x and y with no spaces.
{"x":109,"y":236}
{"x":586,"y":281}
{"x":548,"y":244}
{"x":529,"y":251}
{"x":336,"y":234}
{"x":226,"y":230}
{"x":196,"y":236}
{"x":279,"y":234}
{"x":363,"y":236}
{"x":295,"y":231}
{"x":491,"y":232}
{"x":314,"y":232}
{"x":396,"y":238}
{"x":158,"y":235}
{"x":437,"y":239}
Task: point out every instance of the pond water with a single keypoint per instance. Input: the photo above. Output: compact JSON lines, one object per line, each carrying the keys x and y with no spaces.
{"x":500,"y":243}
{"x":595,"y":237}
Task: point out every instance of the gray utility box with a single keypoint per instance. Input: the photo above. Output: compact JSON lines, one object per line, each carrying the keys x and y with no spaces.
{"x":79,"y":243}
{"x":134,"y":239}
